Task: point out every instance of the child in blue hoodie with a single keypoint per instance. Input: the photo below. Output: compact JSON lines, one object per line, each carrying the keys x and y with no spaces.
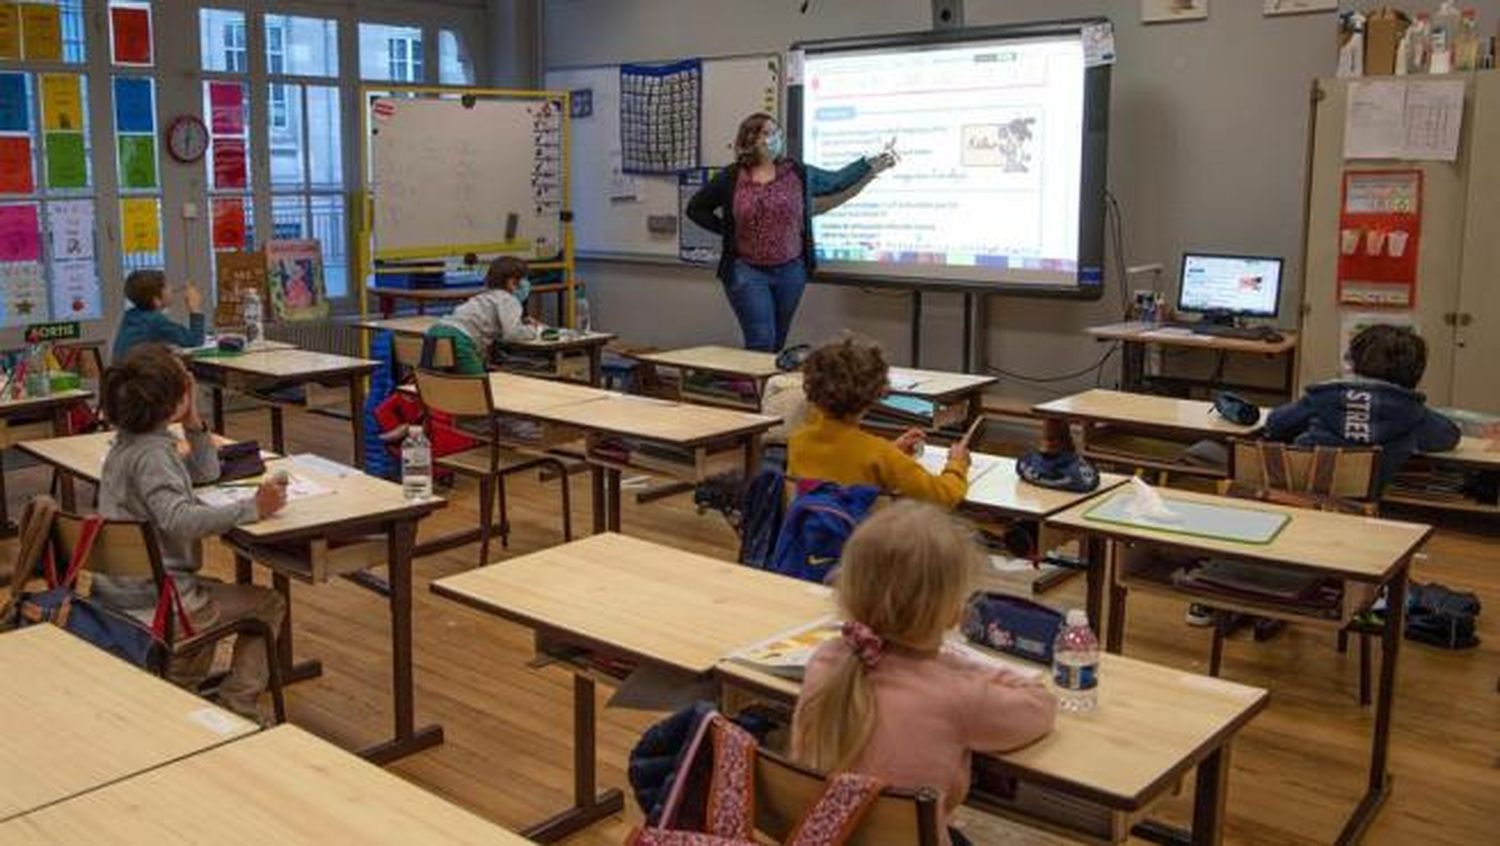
{"x":145,"y":322}
{"x":1379,"y":407}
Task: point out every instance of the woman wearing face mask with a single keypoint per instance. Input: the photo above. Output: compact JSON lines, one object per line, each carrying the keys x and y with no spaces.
{"x":762,"y":206}
{"x":483,"y":319}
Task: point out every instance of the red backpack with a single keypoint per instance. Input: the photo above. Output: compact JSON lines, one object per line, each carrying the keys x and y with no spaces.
{"x":724,"y":814}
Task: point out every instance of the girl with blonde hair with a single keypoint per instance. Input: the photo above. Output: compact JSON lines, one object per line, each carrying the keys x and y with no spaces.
{"x":887,"y":699}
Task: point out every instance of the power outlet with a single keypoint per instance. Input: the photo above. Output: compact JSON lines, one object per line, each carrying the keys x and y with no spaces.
{"x":189,"y":211}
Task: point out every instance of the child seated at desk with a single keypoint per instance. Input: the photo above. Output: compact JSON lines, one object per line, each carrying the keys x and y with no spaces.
{"x":1381,"y":406}
{"x":887,"y":699}
{"x":484,"y":318}
{"x":145,"y":322}
{"x":146,"y":478}
{"x":842,"y":381}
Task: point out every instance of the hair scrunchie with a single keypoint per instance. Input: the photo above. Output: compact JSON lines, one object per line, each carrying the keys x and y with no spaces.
{"x":863,"y":642}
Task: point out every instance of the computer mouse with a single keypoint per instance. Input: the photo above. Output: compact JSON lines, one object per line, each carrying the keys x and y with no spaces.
{"x":1271,"y":336}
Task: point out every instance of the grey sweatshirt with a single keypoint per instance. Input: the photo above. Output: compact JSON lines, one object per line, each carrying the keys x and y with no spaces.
{"x":493,"y":315}
{"x":145,"y":478}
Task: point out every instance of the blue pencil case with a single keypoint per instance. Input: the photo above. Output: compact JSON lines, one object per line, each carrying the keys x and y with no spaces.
{"x":1012,"y":625}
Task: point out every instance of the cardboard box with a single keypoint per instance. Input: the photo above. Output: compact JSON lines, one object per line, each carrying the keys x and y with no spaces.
{"x":1384,"y":28}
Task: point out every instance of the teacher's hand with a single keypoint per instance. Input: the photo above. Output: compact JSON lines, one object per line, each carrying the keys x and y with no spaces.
{"x":885,"y":159}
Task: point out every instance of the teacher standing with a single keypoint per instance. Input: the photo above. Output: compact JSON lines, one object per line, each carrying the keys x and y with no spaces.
{"x":762,"y":206}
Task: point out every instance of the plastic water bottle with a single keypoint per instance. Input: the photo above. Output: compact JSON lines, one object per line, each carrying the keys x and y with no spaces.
{"x":1075,"y":664}
{"x":38,"y":379}
{"x":581,"y":320}
{"x":1444,"y":33}
{"x":416,"y":464}
{"x":254,"y":317}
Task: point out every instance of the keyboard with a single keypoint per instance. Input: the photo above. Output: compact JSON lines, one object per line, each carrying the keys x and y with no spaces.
{"x":1246,"y":333}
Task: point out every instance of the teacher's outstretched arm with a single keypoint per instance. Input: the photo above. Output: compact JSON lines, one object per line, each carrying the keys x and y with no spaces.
{"x":833,"y":188}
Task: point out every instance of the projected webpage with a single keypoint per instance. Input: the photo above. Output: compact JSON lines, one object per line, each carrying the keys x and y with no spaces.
{"x":990,"y":138}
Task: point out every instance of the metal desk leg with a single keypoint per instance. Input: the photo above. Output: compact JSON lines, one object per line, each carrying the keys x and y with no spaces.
{"x":588,"y":806}
{"x":1114,"y":639}
{"x":357,"y":417}
{"x":1132,"y":365}
{"x":402,"y":535}
{"x":601,"y":499}
{"x":216,"y":395}
{"x":65,"y":492}
{"x":6,"y":529}
{"x":1209,"y":798}
{"x":1096,"y":559}
{"x":1379,"y":779}
{"x":291,"y":671}
{"x":278,"y":431}
{"x":612,"y":477}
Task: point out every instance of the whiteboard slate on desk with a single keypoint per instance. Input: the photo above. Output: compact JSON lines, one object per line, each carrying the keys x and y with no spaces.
{"x":444,"y":174}
{"x":1197,"y":519}
{"x":606,"y":223}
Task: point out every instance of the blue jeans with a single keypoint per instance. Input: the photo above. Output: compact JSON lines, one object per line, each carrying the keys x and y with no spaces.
{"x":765,"y":301}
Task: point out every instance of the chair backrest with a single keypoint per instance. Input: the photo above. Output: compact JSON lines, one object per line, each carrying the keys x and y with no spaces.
{"x":124,"y":548}
{"x":785,"y":791}
{"x":454,"y":394}
{"x":407,"y":349}
{"x":1329,"y":472}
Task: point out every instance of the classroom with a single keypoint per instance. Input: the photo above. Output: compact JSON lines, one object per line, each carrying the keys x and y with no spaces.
{"x":930,"y":422}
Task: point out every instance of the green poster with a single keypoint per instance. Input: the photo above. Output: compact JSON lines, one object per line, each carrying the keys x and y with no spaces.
{"x":65,"y":163}
{"x":137,"y":161}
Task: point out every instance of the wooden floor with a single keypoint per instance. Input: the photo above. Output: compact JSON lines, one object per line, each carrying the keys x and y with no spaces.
{"x":1296,"y":771}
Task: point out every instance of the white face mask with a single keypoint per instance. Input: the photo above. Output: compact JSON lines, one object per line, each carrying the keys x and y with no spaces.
{"x":776,"y":144}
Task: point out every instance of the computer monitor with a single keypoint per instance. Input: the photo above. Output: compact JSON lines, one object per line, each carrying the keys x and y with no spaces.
{"x":1230,"y":286}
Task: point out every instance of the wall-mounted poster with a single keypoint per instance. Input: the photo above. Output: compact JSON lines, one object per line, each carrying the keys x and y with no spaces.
{"x":1167,"y":11}
{"x":1300,"y":7}
{"x":238,"y":272}
{"x":1380,"y":230}
{"x":294,"y":270}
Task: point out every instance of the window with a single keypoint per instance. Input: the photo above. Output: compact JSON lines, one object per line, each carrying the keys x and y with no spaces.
{"x":222,"y":41}
{"x":390,"y":53}
{"x":299,"y":46}
{"x":236,"y":59}
{"x":454,"y":64}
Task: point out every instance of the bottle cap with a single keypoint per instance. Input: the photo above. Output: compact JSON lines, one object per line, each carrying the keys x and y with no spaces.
{"x":1077,"y":617}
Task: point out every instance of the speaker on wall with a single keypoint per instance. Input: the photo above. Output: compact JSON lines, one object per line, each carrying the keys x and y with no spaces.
{"x":947,"y":14}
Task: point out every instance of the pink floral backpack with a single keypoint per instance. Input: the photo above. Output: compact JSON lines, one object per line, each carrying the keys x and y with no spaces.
{"x":720,"y":810}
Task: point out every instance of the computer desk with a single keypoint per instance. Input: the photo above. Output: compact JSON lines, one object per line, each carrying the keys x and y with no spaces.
{"x":1135,"y":337}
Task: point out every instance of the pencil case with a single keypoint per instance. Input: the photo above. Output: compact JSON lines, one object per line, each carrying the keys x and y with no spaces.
{"x":1012,"y":625}
{"x":240,"y":460}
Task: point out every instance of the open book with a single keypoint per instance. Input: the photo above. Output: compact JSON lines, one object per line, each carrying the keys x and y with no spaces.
{"x":935,"y":458}
{"x":786,"y":655}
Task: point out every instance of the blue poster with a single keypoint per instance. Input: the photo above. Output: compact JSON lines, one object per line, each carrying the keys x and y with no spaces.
{"x":13,"y":112}
{"x":133,"y":112}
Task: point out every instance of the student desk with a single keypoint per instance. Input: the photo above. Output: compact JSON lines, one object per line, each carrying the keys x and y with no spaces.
{"x":1134,"y":337}
{"x":259,"y":372}
{"x":563,"y":350}
{"x":28,"y":419}
{"x":281,"y":786}
{"x":1471,"y":454}
{"x":626,"y":598}
{"x":1113,"y":422}
{"x":1152,"y":725}
{"x":1363,"y":552}
{"x":363,"y":522}
{"x":76,"y":717}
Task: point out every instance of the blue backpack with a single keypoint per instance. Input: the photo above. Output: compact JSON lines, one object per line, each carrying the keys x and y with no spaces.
{"x":817,"y":525}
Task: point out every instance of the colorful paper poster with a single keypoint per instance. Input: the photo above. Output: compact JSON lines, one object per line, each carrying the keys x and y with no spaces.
{"x":295,"y":271}
{"x":226,"y":102}
{"x":13,"y":112}
{"x":62,"y":102}
{"x":66,"y":167}
{"x":41,"y":31}
{"x":15,"y":166}
{"x":131,"y":27}
{"x":71,"y":226}
{"x":10,"y":31}
{"x":137,"y":161}
{"x":238,"y":272}
{"x":133,"y":111}
{"x":75,"y":291}
{"x":229,"y":223}
{"x":20,"y":236}
{"x":229,"y":163}
{"x":142,"y":233}
{"x":23,"y":294}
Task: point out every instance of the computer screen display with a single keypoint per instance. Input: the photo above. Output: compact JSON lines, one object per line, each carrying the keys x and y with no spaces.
{"x":1245,"y":286}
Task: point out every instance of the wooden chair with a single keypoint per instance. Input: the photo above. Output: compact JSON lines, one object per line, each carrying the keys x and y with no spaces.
{"x":408,"y":352}
{"x":128,"y":549}
{"x":1329,"y":478}
{"x":784,"y":792}
{"x":468,"y":401}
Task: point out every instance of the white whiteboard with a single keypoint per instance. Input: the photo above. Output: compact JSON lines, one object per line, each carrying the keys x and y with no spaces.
{"x":732,"y":89}
{"x":449,"y":175}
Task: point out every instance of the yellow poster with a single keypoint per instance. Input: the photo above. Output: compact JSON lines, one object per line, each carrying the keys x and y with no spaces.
{"x":10,"y":31}
{"x":142,"y":234}
{"x":42,"y":29}
{"x":62,"y":102}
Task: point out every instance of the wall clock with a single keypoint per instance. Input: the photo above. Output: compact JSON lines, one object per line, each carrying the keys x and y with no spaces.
{"x":187,"y":139}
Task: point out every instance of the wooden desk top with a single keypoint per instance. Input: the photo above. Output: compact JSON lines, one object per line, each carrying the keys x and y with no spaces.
{"x":1145,"y":411}
{"x":646,"y":600}
{"x":281,"y":786}
{"x":290,"y":364}
{"x":356,"y":499}
{"x":526,"y":395}
{"x":427,"y":294}
{"x":1001,"y":491}
{"x":678,"y":424}
{"x":1343,"y":545}
{"x":1152,"y":723}
{"x":11,"y":407}
{"x":1178,"y":337}
{"x":937,"y":385}
{"x":76,"y":717}
{"x":416,"y":324}
{"x":83,"y":455}
{"x":566,"y":339}
{"x":1479,"y":453}
{"x":726,"y":361}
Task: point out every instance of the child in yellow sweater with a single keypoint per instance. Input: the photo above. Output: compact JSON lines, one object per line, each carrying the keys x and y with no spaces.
{"x":843,"y":380}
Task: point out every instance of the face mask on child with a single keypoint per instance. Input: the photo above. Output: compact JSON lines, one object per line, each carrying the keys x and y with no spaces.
{"x":523,"y":289}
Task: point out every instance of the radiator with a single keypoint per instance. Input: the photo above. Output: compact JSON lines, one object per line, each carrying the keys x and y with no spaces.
{"x":327,"y":336}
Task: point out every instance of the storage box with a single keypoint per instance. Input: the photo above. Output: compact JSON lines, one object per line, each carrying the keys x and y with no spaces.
{"x":1384,"y":28}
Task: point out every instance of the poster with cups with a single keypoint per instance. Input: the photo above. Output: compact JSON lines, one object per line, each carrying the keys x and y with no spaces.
{"x":1380,"y":231}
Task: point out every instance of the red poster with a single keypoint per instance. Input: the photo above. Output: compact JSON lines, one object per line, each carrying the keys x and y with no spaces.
{"x":15,"y":166}
{"x":1380,"y":230}
{"x":229,"y":163}
{"x":132,"y":34}
{"x":226,"y":101}
{"x":229,"y":223}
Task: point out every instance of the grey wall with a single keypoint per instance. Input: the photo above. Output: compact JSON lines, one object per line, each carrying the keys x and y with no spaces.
{"x":1208,"y":133}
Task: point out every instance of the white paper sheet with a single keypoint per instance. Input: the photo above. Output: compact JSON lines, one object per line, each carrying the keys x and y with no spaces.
{"x":1373,"y":118}
{"x":1405,"y":120}
{"x":935,"y":458}
{"x":297,"y":488}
